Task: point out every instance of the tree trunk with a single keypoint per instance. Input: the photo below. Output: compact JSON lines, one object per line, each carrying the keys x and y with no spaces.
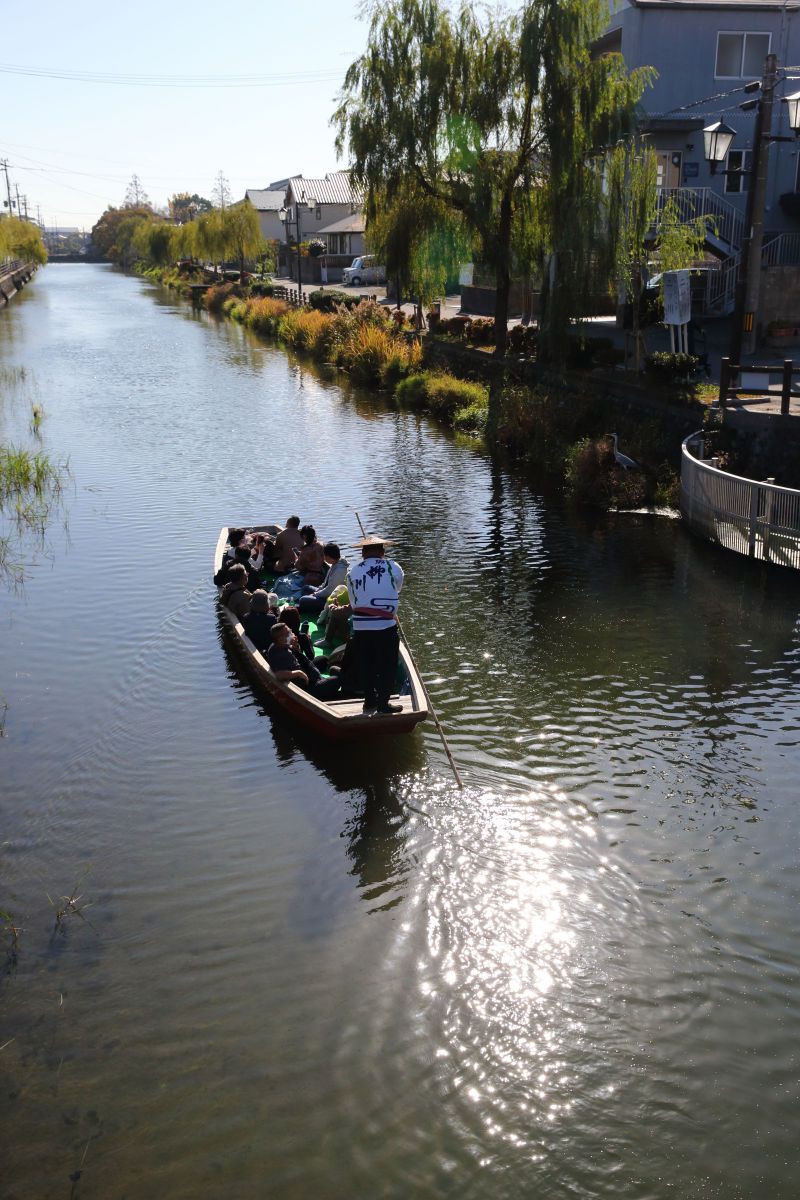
{"x":502,"y":278}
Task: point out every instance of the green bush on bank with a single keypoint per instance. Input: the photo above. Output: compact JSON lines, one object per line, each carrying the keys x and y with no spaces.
{"x":329,"y":301}
{"x":443,"y":394}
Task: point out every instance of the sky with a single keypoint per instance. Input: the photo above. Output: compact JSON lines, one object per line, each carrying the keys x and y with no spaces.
{"x":72,"y":145}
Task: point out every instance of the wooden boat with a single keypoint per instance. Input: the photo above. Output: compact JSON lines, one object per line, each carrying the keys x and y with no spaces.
{"x":340,"y":720}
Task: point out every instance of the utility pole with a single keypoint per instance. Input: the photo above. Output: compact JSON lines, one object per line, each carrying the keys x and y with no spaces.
{"x":743,"y":330}
{"x":4,"y":165}
{"x":16,"y":187}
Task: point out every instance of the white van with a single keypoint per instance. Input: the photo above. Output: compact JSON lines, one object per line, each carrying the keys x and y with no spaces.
{"x":363,"y":269}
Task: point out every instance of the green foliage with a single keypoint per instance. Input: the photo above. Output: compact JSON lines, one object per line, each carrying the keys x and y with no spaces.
{"x":444,"y":395}
{"x":21,"y":239}
{"x":665,"y":367}
{"x":114,"y":234}
{"x":497,"y":118}
{"x":328,"y":301}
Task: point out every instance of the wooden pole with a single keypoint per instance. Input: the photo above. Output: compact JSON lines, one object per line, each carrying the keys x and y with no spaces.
{"x":434,"y":714}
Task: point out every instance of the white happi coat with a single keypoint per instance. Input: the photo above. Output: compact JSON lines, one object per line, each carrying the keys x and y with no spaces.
{"x":373,"y":586}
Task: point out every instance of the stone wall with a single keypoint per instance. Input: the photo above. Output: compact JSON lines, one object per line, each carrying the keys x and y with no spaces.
{"x":780,"y":295}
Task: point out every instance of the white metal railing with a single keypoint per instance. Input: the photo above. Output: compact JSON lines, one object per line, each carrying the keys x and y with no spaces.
{"x":782,"y":250}
{"x":721,"y":286}
{"x":704,"y":202}
{"x":760,"y":520}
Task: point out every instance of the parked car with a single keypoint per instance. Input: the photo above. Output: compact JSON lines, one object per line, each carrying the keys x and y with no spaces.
{"x":363,"y":269}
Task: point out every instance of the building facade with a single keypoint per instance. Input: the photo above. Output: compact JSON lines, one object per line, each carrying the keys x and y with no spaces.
{"x":705,"y":52}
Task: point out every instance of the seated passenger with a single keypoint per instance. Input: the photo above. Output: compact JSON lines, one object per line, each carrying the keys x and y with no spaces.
{"x":336,"y":627}
{"x":291,"y":666}
{"x":291,"y":617}
{"x":235,"y":595}
{"x":310,"y":560}
{"x":241,"y":555}
{"x":263,"y":552}
{"x":236,"y":538}
{"x":314,"y":600}
{"x":259,"y":621}
{"x":287,"y":541}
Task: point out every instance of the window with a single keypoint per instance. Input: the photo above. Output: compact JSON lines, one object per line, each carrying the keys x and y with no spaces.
{"x":741,"y":55}
{"x":318,"y":213}
{"x":736,"y":160}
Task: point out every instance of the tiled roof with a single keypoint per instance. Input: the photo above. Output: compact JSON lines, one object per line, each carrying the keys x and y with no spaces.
{"x":335,"y":188}
{"x":352,"y":224}
{"x":265,"y":201}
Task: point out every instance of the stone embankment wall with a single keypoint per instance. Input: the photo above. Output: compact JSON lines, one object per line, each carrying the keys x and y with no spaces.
{"x":13,"y":281}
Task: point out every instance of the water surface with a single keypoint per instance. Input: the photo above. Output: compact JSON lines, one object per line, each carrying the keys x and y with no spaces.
{"x":311,"y":972}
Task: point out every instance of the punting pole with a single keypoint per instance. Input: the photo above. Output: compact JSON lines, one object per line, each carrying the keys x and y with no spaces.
{"x":434,"y":714}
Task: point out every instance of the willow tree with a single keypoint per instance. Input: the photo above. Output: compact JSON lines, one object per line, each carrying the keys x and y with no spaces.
{"x":586,"y":103}
{"x":21,"y":239}
{"x":440,"y":103}
{"x":476,"y":109}
{"x":241,"y":233}
{"x":418,"y":238}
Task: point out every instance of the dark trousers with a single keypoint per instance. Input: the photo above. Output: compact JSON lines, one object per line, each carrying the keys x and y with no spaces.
{"x":310,"y":604}
{"x":377,"y":652}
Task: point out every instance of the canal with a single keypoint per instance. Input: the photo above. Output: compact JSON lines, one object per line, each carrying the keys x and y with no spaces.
{"x":311,"y":973}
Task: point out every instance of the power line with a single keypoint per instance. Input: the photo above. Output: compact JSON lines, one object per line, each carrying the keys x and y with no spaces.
{"x":177,"y":81}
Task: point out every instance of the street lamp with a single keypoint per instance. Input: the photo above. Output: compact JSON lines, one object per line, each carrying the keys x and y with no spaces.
{"x":793,"y":105}
{"x":286,"y":219}
{"x":717,"y":140}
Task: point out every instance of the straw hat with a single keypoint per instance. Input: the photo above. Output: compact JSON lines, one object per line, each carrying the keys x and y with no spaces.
{"x":374,"y":539}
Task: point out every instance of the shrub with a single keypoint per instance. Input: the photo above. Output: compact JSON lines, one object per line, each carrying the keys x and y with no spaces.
{"x":413,"y":390}
{"x":481,"y":331}
{"x":446,"y":394}
{"x":329,"y":301}
{"x":472,"y":418}
{"x":263,"y":315}
{"x":262,"y":289}
{"x":405,"y":357}
{"x":666,"y":367}
{"x":305,"y":329}
{"x":522,"y":339}
{"x":593,"y":477}
{"x":443,"y":394}
{"x":367,"y":351}
{"x":218,"y":293}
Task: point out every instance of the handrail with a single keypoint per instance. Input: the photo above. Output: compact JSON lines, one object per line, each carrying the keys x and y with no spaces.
{"x":704,"y":202}
{"x":781,"y":250}
{"x":758,"y":519}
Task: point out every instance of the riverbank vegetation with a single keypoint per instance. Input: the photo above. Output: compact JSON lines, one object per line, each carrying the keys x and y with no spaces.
{"x":137,"y":237}
{"x":31,"y":485}
{"x":21,"y":239}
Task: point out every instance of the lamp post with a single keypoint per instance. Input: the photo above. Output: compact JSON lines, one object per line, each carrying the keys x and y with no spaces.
{"x":717,"y":141}
{"x":309,"y":205}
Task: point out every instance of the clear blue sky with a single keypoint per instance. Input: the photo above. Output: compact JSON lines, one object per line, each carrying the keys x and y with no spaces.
{"x":72,"y":146}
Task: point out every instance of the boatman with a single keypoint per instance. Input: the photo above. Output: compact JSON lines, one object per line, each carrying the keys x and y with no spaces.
{"x":373,"y":586}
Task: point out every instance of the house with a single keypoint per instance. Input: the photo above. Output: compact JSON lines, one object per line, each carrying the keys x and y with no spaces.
{"x":345,"y":237}
{"x":705,"y":52}
{"x":328,"y":208}
{"x":268,"y":203}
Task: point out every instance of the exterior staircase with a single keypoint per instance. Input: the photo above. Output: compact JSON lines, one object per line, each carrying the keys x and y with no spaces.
{"x":724,"y":236}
